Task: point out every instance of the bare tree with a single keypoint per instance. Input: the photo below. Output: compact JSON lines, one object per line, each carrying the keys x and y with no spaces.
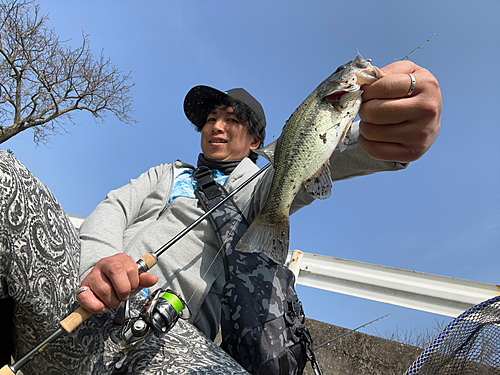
{"x":420,"y":338}
{"x":44,"y":82}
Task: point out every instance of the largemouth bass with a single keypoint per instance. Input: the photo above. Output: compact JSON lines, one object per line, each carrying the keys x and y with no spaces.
{"x":300,"y":156}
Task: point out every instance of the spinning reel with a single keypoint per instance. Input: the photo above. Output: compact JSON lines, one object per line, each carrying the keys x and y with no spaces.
{"x":158,"y":316}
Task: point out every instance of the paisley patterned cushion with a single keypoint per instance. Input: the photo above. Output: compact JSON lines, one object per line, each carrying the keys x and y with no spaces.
{"x":39,"y":261}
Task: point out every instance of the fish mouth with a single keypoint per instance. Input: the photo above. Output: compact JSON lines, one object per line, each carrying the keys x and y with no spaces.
{"x":339,"y":100}
{"x":348,"y":78}
{"x":336,"y":96}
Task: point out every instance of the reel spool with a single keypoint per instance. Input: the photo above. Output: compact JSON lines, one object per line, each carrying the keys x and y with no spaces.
{"x":159,"y":315}
{"x":163,"y":310}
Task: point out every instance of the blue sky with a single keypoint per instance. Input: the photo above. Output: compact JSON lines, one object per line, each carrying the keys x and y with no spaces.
{"x":441,"y":215}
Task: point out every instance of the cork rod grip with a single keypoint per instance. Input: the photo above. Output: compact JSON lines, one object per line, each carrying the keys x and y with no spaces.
{"x":5,"y":370}
{"x":80,"y":315}
{"x":149,"y":259}
{"x":75,"y":319}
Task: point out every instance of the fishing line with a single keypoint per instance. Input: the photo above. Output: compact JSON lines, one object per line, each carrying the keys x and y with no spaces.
{"x":359,"y":53}
{"x":233,"y":229}
{"x":236,"y":221}
{"x":146,"y":262}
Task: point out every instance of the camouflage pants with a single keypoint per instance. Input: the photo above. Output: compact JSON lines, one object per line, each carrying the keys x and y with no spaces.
{"x":39,"y":261}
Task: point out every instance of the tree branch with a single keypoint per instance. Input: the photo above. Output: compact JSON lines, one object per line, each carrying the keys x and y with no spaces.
{"x":43,"y":81}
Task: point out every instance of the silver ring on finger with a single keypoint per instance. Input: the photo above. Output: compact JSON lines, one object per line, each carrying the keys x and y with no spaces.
{"x":81,"y":289}
{"x":412,"y":85}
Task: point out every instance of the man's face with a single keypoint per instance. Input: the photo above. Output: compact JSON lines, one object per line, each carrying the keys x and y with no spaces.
{"x":225,"y":138}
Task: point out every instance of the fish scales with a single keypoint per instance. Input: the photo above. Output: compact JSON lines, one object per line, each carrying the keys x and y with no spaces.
{"x":301,"y":154}
{"x":293,"y":162}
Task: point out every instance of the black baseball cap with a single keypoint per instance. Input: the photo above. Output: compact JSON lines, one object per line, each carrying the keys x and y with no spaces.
{"x":202,"y":98}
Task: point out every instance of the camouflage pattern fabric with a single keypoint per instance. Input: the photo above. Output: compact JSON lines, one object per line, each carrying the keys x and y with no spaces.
{"x":39,"y":262}
{"x":228,"y":221}
{"x":261,"y":314}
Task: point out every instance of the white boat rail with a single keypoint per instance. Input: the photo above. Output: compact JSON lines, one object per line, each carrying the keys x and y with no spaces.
{"x":415,"y":290}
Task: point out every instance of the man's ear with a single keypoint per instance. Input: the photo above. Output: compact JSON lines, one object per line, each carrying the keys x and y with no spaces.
{"x":256,"y":142}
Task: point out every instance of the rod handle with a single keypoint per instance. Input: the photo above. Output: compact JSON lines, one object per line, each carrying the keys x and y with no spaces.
{"x":5,"y":370}
{"x":80,"y":315}
{"x":150,"y":260}
{"x":146,"y":262}
{"x":74,"y":319}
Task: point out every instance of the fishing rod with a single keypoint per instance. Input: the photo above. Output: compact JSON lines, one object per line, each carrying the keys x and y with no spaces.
{"x":144,"y":264}
{"x":348,"y":332}
{"x":407,"y":56}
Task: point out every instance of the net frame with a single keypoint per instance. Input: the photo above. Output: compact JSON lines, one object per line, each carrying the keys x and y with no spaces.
{"x":470,"y":344}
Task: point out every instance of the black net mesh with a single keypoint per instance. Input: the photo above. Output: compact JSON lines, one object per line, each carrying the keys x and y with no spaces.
{"x":468,"y":345}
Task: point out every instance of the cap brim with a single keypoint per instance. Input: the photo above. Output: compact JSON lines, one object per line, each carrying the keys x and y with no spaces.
{"x":196,"y":102}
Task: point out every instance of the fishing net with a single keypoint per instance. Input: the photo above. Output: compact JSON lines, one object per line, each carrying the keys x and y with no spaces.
{"x":470,"y":344}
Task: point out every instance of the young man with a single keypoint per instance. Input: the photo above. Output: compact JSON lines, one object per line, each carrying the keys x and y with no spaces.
{"x":40,"y":254}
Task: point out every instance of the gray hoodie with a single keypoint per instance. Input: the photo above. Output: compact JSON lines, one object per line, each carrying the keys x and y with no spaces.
{"x":137,"y":219}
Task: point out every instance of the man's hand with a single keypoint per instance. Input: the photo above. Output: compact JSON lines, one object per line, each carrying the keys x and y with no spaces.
{"x":111,"y":281}
{"x":398,"y":128}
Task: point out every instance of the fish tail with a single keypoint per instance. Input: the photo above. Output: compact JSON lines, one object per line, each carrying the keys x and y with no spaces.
{"x":270,"y":238}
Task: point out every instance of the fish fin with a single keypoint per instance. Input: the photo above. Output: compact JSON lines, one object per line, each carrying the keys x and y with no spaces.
{"x":320,"y":185}
{"x":268,"y":151}
{"x":270,"y":239}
